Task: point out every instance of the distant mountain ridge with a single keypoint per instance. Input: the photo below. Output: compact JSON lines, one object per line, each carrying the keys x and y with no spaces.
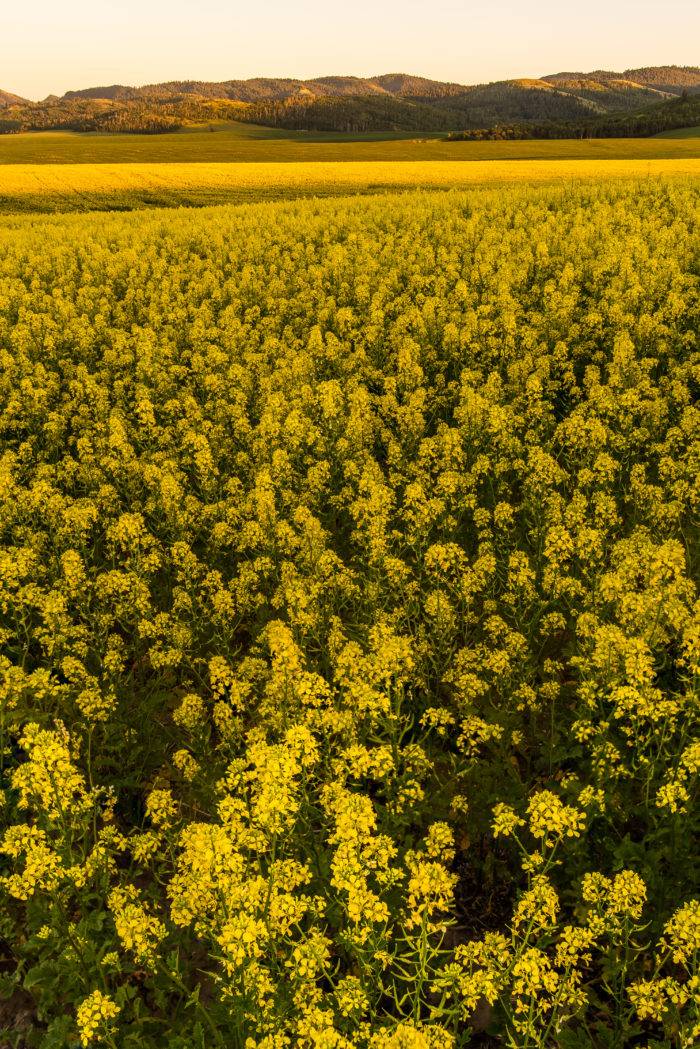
{"x":388,"y":102}
{"x":671,"y":79}
{"x":666,"y":79}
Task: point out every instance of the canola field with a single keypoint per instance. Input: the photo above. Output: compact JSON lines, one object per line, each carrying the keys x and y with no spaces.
{"x":350,"y":623}
{"x":126,"y":186}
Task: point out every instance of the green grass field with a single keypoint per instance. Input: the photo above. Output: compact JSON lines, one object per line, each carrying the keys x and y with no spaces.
{"x":682,"y":132}
{"x":247,"y":143}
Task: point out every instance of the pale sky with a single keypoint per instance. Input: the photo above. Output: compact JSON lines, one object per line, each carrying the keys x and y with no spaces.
{"x":51,"y":46}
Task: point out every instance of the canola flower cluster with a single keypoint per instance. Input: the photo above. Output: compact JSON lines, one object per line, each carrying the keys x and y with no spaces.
{"x":349,"y":622}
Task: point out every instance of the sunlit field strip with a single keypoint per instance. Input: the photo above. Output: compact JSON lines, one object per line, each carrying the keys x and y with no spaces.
{"x":68,"y":180}
{"x":236,"y":143}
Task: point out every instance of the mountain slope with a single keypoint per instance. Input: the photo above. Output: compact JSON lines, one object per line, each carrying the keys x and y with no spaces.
{"x":8,"y":99}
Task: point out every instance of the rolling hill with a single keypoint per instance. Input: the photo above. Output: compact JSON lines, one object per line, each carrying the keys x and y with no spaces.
{"x":391,"y":102}
{"x":659,"y":80}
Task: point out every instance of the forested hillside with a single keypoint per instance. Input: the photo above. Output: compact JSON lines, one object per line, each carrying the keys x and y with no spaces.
{"x":675,"y":113}
{"x":392,"y":102}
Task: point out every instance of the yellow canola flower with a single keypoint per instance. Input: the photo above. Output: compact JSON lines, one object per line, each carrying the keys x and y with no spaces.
{"x":549,"y":817}
{"x":408,"y":1036}
{"x":140,"y":933}
{"x":614,"y":898}
{"x":430,"y":892}
{"x":190,"y":714}
{"x":653,"y":998}
{"x":351,"y":997}
{"x":161,"y":808}
{"x":43,"y":869}
{"x":627,"y":895}
{"x":682,"y":932}
{"x":505,"y":820}
{"x":49,"y":778}
{"x":94,"y":1016}
{"x":538,"y":907}
{"x":242,"y":938}
{"x":534,"y":979}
